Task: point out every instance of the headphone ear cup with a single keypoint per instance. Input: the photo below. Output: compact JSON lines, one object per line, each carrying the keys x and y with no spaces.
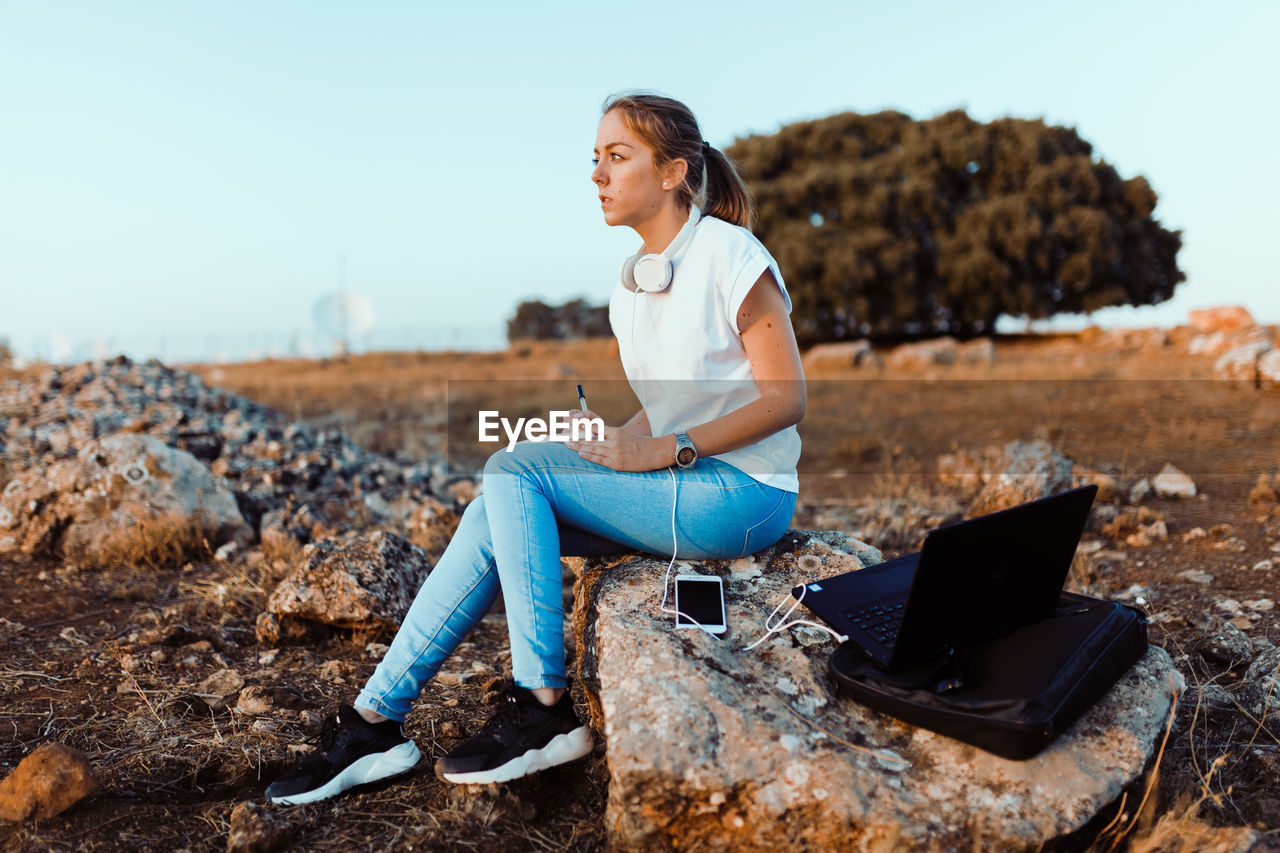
{"x":626,"y":276}
{"x":652,"y":273}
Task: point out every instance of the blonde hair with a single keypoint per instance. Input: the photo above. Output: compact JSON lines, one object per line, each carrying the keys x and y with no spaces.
{"x":670,"y":129}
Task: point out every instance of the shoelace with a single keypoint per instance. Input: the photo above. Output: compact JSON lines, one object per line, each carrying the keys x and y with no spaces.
{"x":509,"y":716}
{"x":330,"y":734}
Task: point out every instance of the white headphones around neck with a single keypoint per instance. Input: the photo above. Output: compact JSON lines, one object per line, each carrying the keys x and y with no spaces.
{"x":652,"y":273}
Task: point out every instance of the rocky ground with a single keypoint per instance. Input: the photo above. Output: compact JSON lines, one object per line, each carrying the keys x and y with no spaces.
{"x":159,"y":665}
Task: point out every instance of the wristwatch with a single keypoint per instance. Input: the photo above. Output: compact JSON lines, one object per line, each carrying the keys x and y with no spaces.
{"x":686,"y":453}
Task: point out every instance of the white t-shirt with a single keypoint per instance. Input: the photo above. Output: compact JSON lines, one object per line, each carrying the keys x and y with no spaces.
{"x":682,"y":351}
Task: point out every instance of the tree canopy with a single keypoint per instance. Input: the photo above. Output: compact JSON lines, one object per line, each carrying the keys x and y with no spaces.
{"x":888,"y":227}
{"x":574,"y":319}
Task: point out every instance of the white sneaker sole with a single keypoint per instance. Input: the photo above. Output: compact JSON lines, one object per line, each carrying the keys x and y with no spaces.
{"x":362,"y":771}
{"x":560,"y":750}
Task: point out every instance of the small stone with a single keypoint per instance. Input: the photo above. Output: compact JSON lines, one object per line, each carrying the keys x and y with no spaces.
{"x":1228,"y":646}
{"x":47,"y":782}
{"x":271,"y":630}
{"x":1148,"y":534}
{"x":1242,"y":622}
{"x":1193,"y":533}
{"x":1173,"y":483}
{"x":1140,"y":491}
{"x":1263,"y":566}
{"x":1262,"y":491}
{"x":335,"y":670}
{"x":218,"y":688}
{"x":225,"y":552}
{"x":1196,"y":576}
{"x":450,"y":729}
{"x":452,"y":679}
{"x":1261,"y":604}
{"x":376,"y":651}
{"x":268,"y":657}
{"x":167,"y":635}
{"x":1137,"y":593}
{"x":257,"y":829}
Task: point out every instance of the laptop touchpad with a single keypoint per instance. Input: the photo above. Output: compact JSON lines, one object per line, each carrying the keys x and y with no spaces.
{"x":892,"y":580}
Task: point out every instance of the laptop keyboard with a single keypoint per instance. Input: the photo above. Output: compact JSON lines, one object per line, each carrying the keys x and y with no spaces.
{"x":881,"y":621}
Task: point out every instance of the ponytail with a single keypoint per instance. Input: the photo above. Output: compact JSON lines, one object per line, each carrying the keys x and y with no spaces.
{"x":669,"y":128}
{"x":725,"y":193}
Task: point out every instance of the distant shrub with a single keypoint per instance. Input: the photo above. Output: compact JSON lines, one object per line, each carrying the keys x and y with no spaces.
{"x":576,"y":319}
{"x":6,"y":352}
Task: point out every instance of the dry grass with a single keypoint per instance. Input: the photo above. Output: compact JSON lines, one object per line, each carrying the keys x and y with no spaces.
{"x":157,"y":543}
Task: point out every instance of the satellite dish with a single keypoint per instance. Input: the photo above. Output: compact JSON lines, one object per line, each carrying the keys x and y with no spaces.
{"x":343,"y":314}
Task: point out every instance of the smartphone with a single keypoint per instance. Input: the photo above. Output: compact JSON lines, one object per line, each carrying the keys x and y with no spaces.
{"x":701,"y":597}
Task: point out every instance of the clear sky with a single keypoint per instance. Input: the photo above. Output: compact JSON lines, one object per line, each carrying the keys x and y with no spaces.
{"x":183,"y":178}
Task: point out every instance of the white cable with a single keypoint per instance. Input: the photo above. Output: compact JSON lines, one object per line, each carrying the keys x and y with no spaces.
{"x":675,"y":546}
{"x":774,"y":629}
{"x":666,"y":578}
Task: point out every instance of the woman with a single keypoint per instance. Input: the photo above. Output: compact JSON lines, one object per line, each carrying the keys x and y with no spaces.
{"x":701,"y":317}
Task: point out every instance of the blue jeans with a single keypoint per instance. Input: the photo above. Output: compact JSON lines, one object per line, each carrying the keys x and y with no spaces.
{"x":541,"y":501}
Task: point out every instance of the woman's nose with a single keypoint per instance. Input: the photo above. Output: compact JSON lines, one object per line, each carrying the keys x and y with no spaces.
{"x":597,"y":174}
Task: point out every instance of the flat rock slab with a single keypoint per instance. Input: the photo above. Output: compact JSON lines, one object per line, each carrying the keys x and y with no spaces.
{"x":716,"y":748}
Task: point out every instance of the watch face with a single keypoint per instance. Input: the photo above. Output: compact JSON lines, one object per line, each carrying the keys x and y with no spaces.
{"x":686,"y":456}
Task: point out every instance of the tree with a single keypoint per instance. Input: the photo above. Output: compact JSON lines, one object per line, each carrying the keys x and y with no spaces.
{"x":575,"y":319}
{"x":889,"y":227}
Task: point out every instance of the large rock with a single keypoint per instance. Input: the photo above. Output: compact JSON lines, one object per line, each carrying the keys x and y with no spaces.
{"x":356,"y":582}
{"x":840,"y":356}
{"x":1260,"y":690}
{"x":1223,"y":318}
{"x":75,"y":507}
{"x":1268,"y":366}
{"x":977,"y":351}
{"x":943,"y":350}
{"x":716,"y":748}
{"x":1173,"y":483}
{"x":1241,"y":362}
{"x":1026,"y":472}
{"x":46,"y":783}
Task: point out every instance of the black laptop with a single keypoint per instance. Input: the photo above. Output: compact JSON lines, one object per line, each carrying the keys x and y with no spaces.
{"x":972,"y":580}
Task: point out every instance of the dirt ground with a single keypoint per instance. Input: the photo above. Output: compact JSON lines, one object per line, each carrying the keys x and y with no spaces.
{"x":108,"y":662}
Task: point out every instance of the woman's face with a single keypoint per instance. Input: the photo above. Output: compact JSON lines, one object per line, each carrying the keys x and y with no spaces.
{"x":630,"y":188}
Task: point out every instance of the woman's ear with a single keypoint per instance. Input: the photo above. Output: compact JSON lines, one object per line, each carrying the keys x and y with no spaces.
{"x":674,"y":172}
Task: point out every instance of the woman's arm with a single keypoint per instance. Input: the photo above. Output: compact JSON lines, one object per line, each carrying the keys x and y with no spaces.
{"x":771,"y":348}
{"x":639,"y":424}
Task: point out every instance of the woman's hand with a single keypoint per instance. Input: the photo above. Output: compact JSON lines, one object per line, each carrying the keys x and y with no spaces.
{"x":623,"y":451}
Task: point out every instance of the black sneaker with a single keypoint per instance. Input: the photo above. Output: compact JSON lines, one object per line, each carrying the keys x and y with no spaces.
{"x":351,"y":752}
{"x":522,"y":737}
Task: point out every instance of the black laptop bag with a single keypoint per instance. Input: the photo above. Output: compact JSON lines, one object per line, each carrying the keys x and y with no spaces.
{"x":1011,"y":696}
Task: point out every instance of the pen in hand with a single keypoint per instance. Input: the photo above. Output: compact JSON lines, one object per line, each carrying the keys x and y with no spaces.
{"x":582,"y":400}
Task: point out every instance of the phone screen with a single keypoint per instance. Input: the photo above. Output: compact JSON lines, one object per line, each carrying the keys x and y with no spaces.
{"x":701,"y":599}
